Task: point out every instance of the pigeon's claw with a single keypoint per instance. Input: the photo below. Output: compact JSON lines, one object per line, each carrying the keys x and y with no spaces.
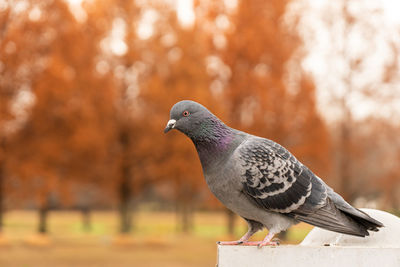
{"x":230,"y":243}
{"x":269,"y":243}
{"x":251,"y":243}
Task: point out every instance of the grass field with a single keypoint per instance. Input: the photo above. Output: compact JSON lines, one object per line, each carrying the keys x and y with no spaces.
{"x":153,"y":242}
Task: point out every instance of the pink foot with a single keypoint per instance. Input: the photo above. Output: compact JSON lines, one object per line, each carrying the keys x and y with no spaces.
{"x":251,"y":243}
{"x":244,"y":241}
{"x":248,"y":243}
{"x":268,"y":243}
{"x":230,"y":243}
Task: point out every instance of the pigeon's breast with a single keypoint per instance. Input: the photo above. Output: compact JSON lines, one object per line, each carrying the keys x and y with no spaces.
{"x":226,"y":185}
{"x":224,"y":182}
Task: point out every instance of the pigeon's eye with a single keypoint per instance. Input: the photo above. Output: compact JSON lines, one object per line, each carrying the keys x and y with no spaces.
{"x":185,"y":113}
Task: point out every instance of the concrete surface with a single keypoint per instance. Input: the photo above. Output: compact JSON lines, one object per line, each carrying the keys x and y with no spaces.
{"x":299,"y":256}
{"x":324,"y":248}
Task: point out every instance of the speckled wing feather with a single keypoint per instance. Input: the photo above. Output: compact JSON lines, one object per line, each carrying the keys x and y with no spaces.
{"x":273,"y":177}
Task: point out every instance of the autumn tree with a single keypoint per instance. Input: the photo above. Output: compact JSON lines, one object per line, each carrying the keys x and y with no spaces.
{"x":178,"y":72}
{"x":256,"y":67}
{"x":15,"y":83}
{"x":72,"y":102}
{"x":120,"y":58}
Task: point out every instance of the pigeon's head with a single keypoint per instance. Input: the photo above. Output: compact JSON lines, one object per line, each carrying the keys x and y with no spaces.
{"x":189,"y":117}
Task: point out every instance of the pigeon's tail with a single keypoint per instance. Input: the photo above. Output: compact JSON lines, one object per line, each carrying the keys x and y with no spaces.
{"x":365,"y":220}
{"x":349,"y":221}
{"x":359,"y":217}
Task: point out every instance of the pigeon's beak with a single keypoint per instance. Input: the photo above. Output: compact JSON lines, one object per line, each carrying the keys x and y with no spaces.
{"x":170,"y":125}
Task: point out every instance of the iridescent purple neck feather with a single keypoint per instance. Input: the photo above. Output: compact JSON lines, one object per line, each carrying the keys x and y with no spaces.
{"x":213,"y":139}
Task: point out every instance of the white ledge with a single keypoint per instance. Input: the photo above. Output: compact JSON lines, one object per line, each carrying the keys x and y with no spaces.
{"x":322,"y":248}
{"x":232,"y":256}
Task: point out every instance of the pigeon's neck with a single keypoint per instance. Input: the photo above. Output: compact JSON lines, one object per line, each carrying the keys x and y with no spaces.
{"x":214,"y":143}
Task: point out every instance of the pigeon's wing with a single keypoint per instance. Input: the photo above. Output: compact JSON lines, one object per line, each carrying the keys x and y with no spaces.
{"x":273,"y":177}
{"x":275,"y":180}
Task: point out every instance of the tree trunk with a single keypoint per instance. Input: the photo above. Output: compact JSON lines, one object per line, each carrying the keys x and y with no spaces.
{"x":344,"y":159}
{"x":43,"y":215}
{"x":2,"y":173}
{"x":1,"y":193}
{"x":124,"y":208}
{"x":184,"y":208}
{"x":86,"y":219}
{"x":125,"y":190}
{"x":186,"y":215}
{"x":230,"y":216}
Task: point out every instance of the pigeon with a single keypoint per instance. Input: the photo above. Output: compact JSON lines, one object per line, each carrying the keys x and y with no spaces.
{"x":263,"y":182}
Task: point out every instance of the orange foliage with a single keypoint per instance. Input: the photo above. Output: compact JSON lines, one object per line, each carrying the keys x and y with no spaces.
{"x":269,"y":94}
{"x":96,"y":119}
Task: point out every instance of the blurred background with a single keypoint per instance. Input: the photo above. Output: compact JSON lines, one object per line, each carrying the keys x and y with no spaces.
{"x":87,"y":177}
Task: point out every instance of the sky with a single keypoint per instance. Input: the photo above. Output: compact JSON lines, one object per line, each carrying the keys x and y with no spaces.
{"x":323,"y":31}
